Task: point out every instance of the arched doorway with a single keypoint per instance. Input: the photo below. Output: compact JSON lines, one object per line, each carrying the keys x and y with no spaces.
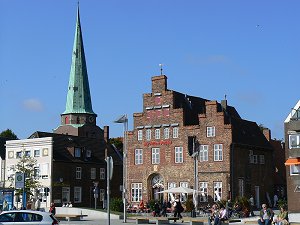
{"x":156,"y":185}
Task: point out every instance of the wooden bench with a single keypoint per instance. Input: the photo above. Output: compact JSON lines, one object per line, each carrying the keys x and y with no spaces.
{"x":70,"y":217}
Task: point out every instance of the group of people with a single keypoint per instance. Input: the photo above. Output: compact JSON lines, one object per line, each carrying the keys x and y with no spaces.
{"x":267,"y":217}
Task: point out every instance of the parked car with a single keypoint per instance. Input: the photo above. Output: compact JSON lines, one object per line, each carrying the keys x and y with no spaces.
{"x":27,"y":217}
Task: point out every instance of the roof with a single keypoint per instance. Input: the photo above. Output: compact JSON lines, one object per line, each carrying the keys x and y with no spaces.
{"x":78,"y":97}
{"x":295,"y":113}
{"x":62,"y":143}
{"x":248,"y":133}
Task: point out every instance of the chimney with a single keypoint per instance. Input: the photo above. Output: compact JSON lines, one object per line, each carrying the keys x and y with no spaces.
{"x":224,"y":104}
{"x":159,"y":84}
{"x":106,"y":133}
{"x":267,"y":133}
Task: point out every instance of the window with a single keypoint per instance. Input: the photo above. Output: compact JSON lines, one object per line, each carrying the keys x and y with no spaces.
{"x":140,"y":135}
{"x":203,"y":191}
{"x":44,"y":170}
{"x":65,"y":194}
{"x":251,"y":159}
{"x":88,"y":153}
{"x":155,"y":155}
{"x":157,"y":133}
{"x":203,"y":154}
{"x":217,"y":191}
{"x":27,"y":153}
{"x":210,"y":132}
{"x":18,"y":155}
{"x":255,"y":160}
{"x":77,"y":152}
{"x":136,"y":192}
{"x":294,"y":141}
{"x":218,"y":152}
{"x":175,"y":132}
{"x":78,"y":172}
{"x":102,"y":195}
{"x":171,"y":185}
{"x":36,"y":172}
{"x":37,"y":153}
{"x":138,"y":156}
{"x":178,"y":155}
{"x":10,"y":154}
{"x":102,"y":173}
{"x":148,"y":134}
{"x":261,"y":159}
{"x":93,"y":173}
{"x":167,"y":133}
{"x":295,"y":169}
{"x":77,"y":194}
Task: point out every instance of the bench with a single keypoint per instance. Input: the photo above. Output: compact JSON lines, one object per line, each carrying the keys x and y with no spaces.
{"x":165,"y":220}
{"x":70,"y":217}
{"x":141,"y":220}
{"x":195,"y":222}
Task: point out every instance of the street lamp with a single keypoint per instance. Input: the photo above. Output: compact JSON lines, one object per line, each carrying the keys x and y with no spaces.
{"x":123,"y":119}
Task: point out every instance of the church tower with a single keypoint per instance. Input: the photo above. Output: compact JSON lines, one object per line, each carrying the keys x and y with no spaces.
{"x":79,"y":118}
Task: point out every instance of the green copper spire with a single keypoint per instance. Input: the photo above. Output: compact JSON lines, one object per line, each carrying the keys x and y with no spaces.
{"x":78,"y":97}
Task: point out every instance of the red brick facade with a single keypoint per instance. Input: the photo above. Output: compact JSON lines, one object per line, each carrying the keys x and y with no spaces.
{"x":229,"y":147}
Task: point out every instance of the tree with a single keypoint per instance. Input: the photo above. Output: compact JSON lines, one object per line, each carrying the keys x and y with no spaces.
{"x":9,"y":134}
{"x":118,"y":142}
{"x":27,"y":165}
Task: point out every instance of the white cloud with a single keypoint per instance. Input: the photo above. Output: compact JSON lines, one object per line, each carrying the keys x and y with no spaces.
{"x":33,"y":105}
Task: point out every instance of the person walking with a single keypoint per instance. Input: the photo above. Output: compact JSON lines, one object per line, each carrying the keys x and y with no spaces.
{"x":251,"y":200}
{"x":178,"y":209}
{"x":52,"y":209}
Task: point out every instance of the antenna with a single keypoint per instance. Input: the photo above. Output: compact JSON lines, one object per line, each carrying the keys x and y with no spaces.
{"x":161,"y":68}
{"x":225,"y":96}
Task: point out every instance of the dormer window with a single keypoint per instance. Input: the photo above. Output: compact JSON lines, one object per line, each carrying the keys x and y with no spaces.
{"x":77,"y":152}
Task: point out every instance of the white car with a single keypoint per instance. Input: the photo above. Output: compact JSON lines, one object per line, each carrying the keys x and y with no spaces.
{"x":27,"y":217}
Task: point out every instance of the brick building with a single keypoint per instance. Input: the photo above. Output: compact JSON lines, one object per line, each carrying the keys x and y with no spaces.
{"x":292,"y":147}
{"x":182,"y":140}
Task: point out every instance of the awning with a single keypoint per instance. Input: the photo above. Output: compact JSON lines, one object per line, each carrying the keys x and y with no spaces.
{"x":292,"y":161}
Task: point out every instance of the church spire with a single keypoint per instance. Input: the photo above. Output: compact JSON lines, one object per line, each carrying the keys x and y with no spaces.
{"x":78,"y":97}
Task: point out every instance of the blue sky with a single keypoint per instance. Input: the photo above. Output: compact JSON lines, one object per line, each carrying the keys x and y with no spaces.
{"x":248,"y":50}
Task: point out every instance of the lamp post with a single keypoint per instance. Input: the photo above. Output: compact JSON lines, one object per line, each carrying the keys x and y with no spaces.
{"x":123,"y":119}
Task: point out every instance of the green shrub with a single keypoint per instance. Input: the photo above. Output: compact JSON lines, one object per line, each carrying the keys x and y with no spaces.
{"x":116,"y":204}
{"x":282,"y":203}
{"x":151,"y":204}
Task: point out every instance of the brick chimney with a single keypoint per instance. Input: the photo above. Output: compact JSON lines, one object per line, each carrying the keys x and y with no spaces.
{"x":106,"y":133}
{"x":267,"y":133}
{"x":159,"y":84}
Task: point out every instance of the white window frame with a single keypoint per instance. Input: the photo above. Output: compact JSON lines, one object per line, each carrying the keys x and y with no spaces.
{"x":210,"y":131}
{"x":18,"y":155}
{"x":102,"y":173}
{"x":218,"y":152}
{"x":78,"y":173}
{"x":217,"y":189}
{"x":27,"y":153}
{"x":155,"y":155}
{"x":77,"y":194}
{"x":203,"y":188}
{"x":65,"y":193}
{"x":136,"y":192}
{"x":93,"y":173}
{"x":294,"y":141}
{"x":140,"y":135}
{"x":295,"y":170}
{"x":203,"y":153}
{"x":175,"y":132}
{"x":148,"y":134}
{"x":157,"y":134}
{"x":178,"y":154}
{"x":138,"y":156}
{"x":166,"y":133}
